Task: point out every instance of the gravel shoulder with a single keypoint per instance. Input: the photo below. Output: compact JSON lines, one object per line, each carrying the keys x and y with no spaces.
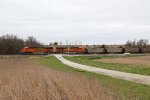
{"x":142,"y":79}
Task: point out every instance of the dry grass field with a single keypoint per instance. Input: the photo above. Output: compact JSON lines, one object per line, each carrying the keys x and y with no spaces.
{"x":138,"y":60}
{"x":23,"y":79}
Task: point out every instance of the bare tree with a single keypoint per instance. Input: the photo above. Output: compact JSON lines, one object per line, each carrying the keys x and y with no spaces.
{"x":128,"y":43}
{"x":142,"y":42}
{"x":32,"y":42}
{"x":51,"y":44}
{"x":139,"y":43}
{"x":10,"y":44}
{"x":55,"y":43}
{"x":134,"y":43}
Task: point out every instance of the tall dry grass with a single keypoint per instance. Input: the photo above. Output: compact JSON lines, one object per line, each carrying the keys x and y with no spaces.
{"x":23,"y":79}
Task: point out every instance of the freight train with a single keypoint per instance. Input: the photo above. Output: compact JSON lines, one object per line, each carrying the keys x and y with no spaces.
{"x":84,"y":50}
{"x":52,"y":50}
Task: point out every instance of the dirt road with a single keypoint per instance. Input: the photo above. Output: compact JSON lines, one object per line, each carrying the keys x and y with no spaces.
{"x":23,"y":79}
{"x":122,"y":75}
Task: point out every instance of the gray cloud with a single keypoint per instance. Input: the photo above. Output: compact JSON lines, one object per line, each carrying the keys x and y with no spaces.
{"x":89,"y":21}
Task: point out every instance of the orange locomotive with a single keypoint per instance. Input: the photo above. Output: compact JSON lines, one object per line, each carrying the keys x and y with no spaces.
{"x":47,"y":50}
{"x":78,"y":50}
{"x":36,"y":50}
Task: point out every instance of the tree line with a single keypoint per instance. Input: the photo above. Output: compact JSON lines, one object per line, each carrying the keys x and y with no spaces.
{"x":137,"y":43}
{"x":12,"y":44}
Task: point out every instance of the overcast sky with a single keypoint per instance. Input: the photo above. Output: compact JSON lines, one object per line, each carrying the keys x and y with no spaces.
{"x":89,"y":21}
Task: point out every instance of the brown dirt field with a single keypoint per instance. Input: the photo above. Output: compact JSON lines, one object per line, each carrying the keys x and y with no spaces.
{"x":140,"y":60}
{"x":24,"y":79}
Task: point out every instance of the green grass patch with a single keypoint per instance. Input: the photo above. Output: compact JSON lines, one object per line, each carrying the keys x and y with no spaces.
{"x":53,"y":63}
{"x":99,"y":57}
{"x":88,"y":60}
{"x":118,"y":86}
